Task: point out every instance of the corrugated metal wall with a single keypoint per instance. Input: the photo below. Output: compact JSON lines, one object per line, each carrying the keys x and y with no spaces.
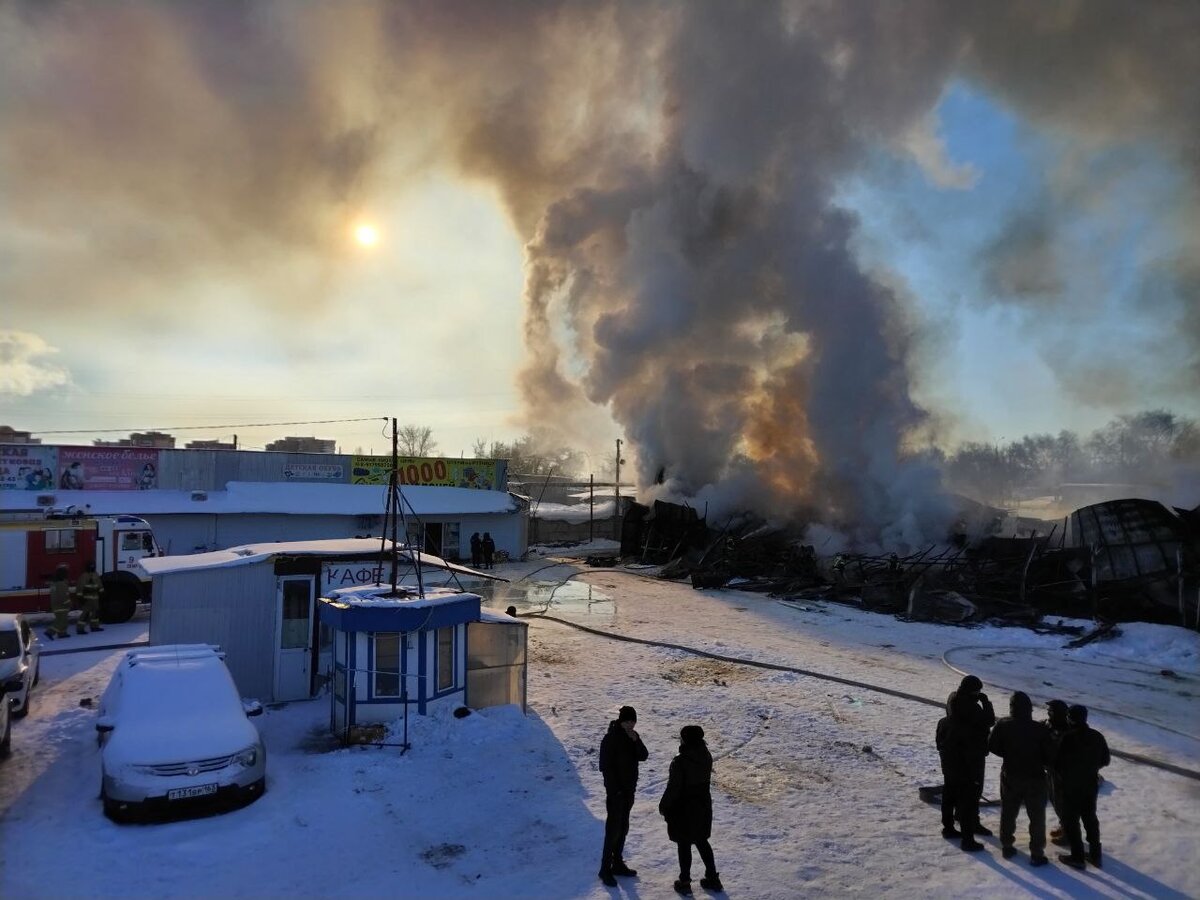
{"x":233,"y":607}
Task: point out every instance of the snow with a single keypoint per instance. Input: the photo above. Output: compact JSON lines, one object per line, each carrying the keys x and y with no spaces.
{"x":255,"y":553}
{"x":376,"y":596}
{"x":286,"y":498}
{"x":572,"y":512}
{"x":815,"y":785}
{"x":173,"y":707}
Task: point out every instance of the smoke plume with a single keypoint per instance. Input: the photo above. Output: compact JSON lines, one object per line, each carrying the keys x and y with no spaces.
{"x":672,"y":167}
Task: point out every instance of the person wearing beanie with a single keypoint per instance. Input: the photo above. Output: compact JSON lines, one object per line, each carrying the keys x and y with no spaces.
{"x":1056,"y":720}
{"x":621,"y":751}
{"x":1026,"y":747}
{"x":1081,"y":755}
{"x":687,"y":806}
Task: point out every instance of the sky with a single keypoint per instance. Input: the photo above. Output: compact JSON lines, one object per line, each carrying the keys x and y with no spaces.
{"x":773,"y":247}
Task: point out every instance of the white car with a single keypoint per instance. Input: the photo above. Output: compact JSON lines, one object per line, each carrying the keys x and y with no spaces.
{"x":174,"y":734}
{"x":19,"y":660}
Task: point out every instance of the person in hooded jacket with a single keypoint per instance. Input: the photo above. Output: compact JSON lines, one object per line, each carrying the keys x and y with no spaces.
{"x":1026,"y":748}
{"x":949,"y":781}
{"x":687,"y":806}
{"x":621,"y":751}
{"x":1082,"y":753}
{"x":1056,"y":720}
{"x":960,"y":745}
{"x":476,"y":550}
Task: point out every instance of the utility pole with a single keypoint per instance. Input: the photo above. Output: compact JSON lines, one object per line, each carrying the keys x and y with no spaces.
{"x":617,"y":485}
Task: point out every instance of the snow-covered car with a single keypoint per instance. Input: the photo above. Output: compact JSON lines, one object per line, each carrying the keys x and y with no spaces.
{"x":19,"y":660}
{"x":174,"y":734}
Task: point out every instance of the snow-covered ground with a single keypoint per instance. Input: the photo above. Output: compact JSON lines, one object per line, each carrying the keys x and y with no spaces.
{"x":816,"y":782}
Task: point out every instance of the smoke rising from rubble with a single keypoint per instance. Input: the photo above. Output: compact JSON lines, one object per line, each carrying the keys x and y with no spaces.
{"x":672,"y":167}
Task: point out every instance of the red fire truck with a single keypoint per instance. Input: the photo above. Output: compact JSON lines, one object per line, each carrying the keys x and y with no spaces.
{"x":32,"y":546}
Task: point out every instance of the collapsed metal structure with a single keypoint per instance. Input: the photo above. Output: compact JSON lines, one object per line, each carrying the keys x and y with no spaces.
{"x":1122,"y":560}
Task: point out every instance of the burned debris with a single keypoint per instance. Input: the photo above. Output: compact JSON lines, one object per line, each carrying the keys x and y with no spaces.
{"x":1117,"y":561}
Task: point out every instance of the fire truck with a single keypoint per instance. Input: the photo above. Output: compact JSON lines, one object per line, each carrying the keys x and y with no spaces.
{"x":33,"y":546}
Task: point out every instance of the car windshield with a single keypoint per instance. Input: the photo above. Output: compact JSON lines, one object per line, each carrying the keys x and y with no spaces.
{"x":10,"y":645}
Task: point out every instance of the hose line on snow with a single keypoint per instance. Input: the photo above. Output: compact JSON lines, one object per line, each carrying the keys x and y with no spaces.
{"x":850,"y":682}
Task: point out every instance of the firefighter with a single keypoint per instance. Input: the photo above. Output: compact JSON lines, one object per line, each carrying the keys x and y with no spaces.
{"x":88,"y":591}
{"x":60,"y":604}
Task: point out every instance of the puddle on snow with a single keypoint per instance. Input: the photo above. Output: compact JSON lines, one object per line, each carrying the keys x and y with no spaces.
{"x":575,"y":599}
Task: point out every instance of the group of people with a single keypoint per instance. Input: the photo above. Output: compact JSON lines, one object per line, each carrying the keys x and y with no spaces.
{"x":686,"y":803}
{"x":483,"y":551}
{"x":1057,"y":760}
{"x":87,"y":590}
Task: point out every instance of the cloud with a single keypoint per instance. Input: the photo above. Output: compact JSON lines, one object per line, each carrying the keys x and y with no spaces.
{"x":925,"y":145}
{"x":22,"y":370}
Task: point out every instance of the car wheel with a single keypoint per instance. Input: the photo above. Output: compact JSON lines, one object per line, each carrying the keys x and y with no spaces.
{"x":118,"y":603}
{"x":37,"y":672}
{"x":24,"y":710}
{"x":6,"y":741}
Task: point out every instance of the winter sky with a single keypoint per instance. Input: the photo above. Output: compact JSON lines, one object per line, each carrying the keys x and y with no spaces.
{"x":969,"y":221}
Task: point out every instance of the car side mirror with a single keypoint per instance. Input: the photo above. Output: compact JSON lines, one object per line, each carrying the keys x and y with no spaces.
{"x":105,"y":725}
{"x":253,"y":708}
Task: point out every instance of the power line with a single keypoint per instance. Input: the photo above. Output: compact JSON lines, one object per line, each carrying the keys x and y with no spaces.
{"x":211,"y":427}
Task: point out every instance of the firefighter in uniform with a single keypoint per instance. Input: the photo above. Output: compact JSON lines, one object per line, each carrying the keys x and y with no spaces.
{"x":60,"y":605}
{"x":88,"y":591}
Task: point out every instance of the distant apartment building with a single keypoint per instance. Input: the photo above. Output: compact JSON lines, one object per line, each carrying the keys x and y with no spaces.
{"x":303,"y":445}
{"x":211,"y":445}
{"x":154,"y":439}
{"x":10,"y":435}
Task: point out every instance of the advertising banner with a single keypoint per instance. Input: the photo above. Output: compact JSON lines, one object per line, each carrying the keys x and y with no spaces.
{"x":465,"y":473}
{"x":313,"y":472}
{"x":107,"y":469}
{"x":28,"y":467}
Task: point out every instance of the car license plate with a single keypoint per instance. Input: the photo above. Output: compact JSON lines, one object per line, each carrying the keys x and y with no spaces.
{"x":200,"y":790}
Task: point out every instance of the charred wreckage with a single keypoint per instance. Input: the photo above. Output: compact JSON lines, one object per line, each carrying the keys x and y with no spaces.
{"x":1122,"y":560}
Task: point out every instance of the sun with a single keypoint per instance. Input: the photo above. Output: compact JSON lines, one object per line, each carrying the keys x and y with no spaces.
{"x":366,"y":235}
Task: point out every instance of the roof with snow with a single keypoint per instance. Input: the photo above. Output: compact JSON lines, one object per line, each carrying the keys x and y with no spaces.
{"x":370,"y":608}
{"x":284,"y":498}
{"x":337,"y":547}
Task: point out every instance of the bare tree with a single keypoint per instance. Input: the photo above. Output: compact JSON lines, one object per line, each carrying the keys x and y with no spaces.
{"x":416,"y":440}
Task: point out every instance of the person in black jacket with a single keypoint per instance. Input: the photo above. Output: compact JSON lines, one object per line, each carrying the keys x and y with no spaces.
{"x":621,"y":751}
{"x":960,"y":745}
{"x":1056,"y":719}
{"x":1026,"y":748}
{"x":949,"y":782}
{"x":488,"y":546}
{"x":1081,"y":755}
{"x":687,"y":806}
{"x":476,"y":550}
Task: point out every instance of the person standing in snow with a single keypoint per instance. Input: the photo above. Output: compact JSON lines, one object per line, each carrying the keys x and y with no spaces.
{"x":60,"y":604}
{"x":1056,"y":720}
{"x":88,"y":590}
{"x":950,"y":777}
{"x":489,"y":550}
{"x":621,"y":751}
{"x":1082,"y":753}
{"x":981,"y":717}
{"x":687,"y":806}
{"x":476,"y":551}
{"x":1026,"y":748}
{"x":959,"y":746}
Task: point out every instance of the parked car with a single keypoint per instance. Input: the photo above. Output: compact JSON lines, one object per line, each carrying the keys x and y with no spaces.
{"x":174,"y":734}
{"x":19,"y":660}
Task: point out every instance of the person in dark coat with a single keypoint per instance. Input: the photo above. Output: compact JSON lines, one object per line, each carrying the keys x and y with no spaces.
{"x":977,"y":718}
{"x":476,"y":550}
{"x":1082,"y":753}
{"x":949,"y":782}
{"x":1056,"y":720}
{"x":621,"y":751}
{"x":489,"y":550}
{"x":1026,"y":748}
{"x":960,"y":745}
{"x":687,"y":806}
